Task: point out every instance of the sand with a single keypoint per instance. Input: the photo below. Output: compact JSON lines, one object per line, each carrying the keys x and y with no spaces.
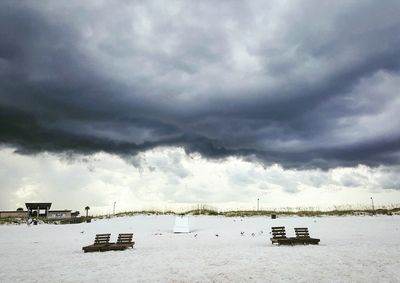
{"x":352,"y":249}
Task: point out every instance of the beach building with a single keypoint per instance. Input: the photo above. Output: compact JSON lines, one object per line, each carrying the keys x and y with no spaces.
{"x":13,"y":214}
{"x":39,"y":210}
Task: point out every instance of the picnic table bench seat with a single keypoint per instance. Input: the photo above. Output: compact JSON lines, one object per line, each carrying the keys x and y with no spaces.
{"x":303,"y":237}
{"x":101,"y":241}
{"x":124,"y":241}
{"x":279,"y":236}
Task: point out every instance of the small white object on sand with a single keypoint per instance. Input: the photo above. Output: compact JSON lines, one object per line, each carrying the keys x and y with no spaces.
{"x":181,"y":224}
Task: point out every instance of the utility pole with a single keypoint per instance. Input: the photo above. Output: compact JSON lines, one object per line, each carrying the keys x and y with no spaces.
{"x":258,"y":204}
{"x":373,"y":207}
{"x":114,"y":208}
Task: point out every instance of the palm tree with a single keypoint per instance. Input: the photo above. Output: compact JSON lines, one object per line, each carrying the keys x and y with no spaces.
{"x":87,"y":210}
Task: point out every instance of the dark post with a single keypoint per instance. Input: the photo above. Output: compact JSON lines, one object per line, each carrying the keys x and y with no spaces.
{"x":373,"y":207}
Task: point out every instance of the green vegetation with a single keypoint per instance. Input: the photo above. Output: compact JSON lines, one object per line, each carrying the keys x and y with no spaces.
{"x":209,"y":210}
{"x":12,"y":220}
{"x":301,"y":212}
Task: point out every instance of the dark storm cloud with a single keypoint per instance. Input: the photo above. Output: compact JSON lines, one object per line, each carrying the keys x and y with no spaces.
{"x":303,"y":84}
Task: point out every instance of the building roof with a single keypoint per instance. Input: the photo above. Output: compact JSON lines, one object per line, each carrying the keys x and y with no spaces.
{"x":36,"y":205}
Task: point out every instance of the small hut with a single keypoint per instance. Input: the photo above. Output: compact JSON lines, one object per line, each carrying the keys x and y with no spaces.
{"x":38,"y":209}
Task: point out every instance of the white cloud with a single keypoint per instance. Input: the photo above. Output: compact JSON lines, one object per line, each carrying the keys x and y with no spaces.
{"x":168,"y":178}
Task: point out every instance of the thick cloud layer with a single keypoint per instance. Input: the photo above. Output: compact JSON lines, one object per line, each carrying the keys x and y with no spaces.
{"x":299,"y":83}
{"x":170,"y":179}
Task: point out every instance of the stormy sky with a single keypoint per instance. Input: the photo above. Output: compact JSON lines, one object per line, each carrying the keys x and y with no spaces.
{"x":304,"y":86}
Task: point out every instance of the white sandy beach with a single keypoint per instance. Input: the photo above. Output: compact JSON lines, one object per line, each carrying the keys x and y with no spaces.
{"x":352,"y":249}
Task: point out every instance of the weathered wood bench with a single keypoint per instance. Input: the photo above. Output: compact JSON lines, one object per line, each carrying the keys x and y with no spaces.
{"x":303,"y":237}
{"x":279,"y":236}
{"x":124,"y":241}
{"x":101,"y":242}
